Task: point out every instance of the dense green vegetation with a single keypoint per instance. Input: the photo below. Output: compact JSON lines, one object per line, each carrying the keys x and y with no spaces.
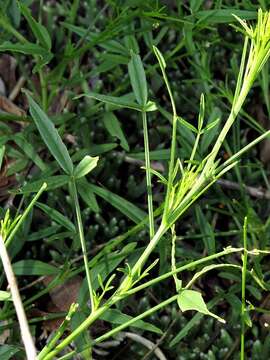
{"x":134,"y":179}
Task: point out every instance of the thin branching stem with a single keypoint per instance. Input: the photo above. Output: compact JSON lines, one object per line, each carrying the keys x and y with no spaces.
{"x":148,"y":176}
{"x":243,"y":305}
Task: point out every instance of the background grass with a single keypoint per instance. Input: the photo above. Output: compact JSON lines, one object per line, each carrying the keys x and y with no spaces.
{"x":91,"y":43}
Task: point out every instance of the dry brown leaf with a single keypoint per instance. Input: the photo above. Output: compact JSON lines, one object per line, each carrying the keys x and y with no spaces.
{"x":9,"y":107}
{"x":64,"y":295}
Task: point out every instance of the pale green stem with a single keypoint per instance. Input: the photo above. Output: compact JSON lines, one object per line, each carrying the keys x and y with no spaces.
{"x":137,"y":318}
{"x":195,"y":146}
{"x":177,"y":282}
{"x":243,"y":306}
{"x":97,"y":313}
{"x":148,"y":177}
{"x":83,"y":244}
{"x":60,"y":331}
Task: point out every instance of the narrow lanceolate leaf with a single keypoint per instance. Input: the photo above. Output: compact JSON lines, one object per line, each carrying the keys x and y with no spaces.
{"x":127,"y":208}
{"x":39,"y":31}
{"x":160,"y":58}
{"x":87,"y":164}
{"x":27,"y":48}
{"x":57,"y":216}
{"x":50,"y":136}
{"x":138,"y":79}
{"x":193,"y":300}
{"x":34,"y":267}
{"x":113,"y":126}
{"x":113,"y":100}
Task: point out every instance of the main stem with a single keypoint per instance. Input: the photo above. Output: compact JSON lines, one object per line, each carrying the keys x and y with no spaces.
{"x":83,"y":244}
{"x":243,"y":306}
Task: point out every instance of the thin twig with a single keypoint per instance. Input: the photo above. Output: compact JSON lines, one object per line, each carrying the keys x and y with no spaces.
{"x":145,"y":342}
{"x":25,"y":331}
{"x":253,"y":191}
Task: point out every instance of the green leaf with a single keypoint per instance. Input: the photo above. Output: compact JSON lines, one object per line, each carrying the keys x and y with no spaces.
{"x":2,"y":153}
{"x":201,"y":113}
{"x":187,"y":124}
{"x":26,"y":48}
{"x":193,"y":300}
{"x":87,"y":164}
{"x":87,"y":195}
{"x":160,"y":58}
{"x":34,"y":267}
{"x":115,"y":316}
{"x":50,"y":136}
{"x":138,"y":79}
{"x":193,"y":322}
{"x":29,"y":150}
{"x":39,"y":31}
{"x":57,"y":216}
{"x":114,"y":128}
{"x":8,"y":351}
{"x":117,"y":101}
{"x":224,"y":15}
{"x":53,"y":182}
{"x":5,"y":296}
{"x":126,"y":207}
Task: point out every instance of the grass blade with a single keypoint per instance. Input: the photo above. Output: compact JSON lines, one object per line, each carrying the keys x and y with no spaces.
{"x":50,"y":136}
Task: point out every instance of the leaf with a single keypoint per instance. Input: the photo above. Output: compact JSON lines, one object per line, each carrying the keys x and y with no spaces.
{"x":50,"y":136}
{"x":126,"y":207}
{"x":87,"y":164}
{"x":88,"y":196}
{"x":8,"y":351}
{"x":26,"y":48}
{"x":201,"y":113}
{"x":29,"y":150}
{"x":117,"y":101}
{"x":38,"y":30}
{"x":2,"y":153}
{"x":34,"y":267}
{"x":193,"y":322}
{"x":5,"y":296}
{"x":53,"y":182}
{"x":224,"y":15}
{"x":114,"y":128}
{"x":193,"y":300}
{"x":138,"y":79}
{"x":160,"y":58}
{"x":115,"y":316}
{"x":187,"y":125}
{"x":56,"y":216}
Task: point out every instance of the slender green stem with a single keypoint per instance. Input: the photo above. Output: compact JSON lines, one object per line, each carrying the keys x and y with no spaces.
{"x":148,"y":177}
{"x":44,"y":93}
{"x":26,"y":212}
{"x":137,"y":318}
{"x":60,"y":331}
{"x":83,"y":244}
{"x":243,"y":307}
{"x":188,"y":266}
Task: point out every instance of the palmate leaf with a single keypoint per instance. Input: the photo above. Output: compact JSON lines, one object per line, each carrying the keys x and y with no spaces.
{"x":50,"y":136}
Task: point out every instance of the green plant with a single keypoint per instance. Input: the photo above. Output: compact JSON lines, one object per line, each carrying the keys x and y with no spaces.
{"x":186,"y":181}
